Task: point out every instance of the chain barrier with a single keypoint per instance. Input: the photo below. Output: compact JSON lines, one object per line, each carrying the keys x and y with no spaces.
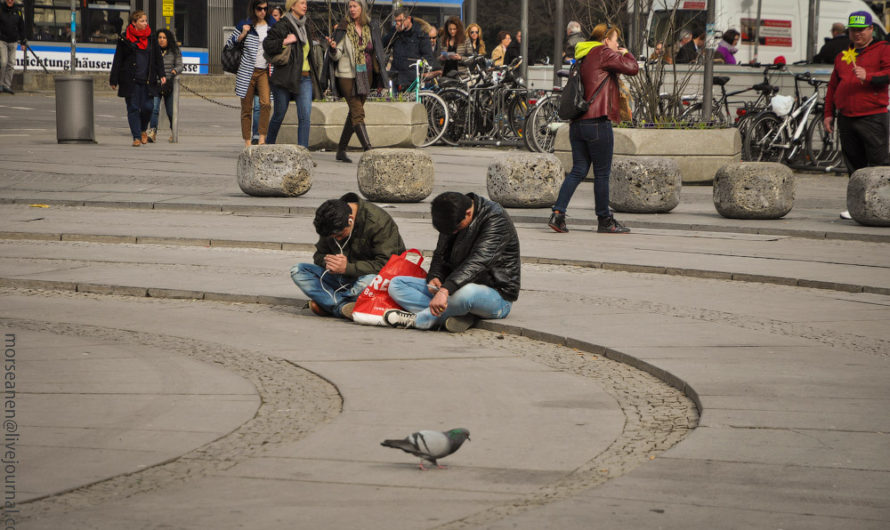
{"x":202,"y":96}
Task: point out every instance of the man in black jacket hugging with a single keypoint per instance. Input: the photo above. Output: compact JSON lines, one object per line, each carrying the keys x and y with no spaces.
{"x":475,"y":272}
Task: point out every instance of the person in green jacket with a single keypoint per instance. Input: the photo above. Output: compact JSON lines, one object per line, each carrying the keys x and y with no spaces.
{"x":356,"y":239}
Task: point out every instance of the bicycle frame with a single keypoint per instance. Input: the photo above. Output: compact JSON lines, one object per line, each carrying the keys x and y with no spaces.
{"x":798,"y":118}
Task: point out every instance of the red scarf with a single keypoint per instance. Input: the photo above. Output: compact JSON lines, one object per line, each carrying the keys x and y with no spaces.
{"x":139,"y":37}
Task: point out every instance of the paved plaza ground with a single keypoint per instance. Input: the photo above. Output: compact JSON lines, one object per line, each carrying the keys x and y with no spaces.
{"x":699,"y":372}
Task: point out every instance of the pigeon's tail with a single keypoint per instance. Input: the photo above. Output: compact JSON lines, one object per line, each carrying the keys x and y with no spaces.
{"x":404,"y":445}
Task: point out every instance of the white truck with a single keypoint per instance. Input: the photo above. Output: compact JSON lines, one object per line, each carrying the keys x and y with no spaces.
{"x":783,"y":24}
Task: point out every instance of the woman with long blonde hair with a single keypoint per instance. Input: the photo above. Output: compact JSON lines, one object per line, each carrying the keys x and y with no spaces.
{"x":474,"y":45}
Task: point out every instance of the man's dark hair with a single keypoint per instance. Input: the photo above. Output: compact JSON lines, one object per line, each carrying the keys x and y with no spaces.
{"x":404,"y":11}
{"x":448,"y":210}
{"x":332,"y":217}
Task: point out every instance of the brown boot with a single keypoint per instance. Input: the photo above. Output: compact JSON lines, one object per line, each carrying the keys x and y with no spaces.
{"x":137,"y":142}
{"x":345,"y":136}
{"x":144,"y":137}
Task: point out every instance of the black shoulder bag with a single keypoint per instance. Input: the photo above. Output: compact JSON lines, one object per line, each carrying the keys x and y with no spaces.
{"x":572,"y":104}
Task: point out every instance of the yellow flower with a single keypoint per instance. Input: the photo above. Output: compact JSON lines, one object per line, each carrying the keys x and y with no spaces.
{"x":849,"y":56}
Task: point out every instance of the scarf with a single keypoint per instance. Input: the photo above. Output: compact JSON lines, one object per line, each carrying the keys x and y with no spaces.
{"x":354,"y":38}
{"x":140,"y":38}
{"x":299,"y":24}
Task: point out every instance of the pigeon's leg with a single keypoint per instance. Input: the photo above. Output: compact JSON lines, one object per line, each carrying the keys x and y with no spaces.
{"x":421,"y":466}
{"x":440,"y":466}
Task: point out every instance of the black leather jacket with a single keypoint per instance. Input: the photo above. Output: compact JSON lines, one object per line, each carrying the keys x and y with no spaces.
{"x":486,"y":252}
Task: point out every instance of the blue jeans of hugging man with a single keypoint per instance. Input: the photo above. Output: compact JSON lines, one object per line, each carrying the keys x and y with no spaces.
{"x":328,"y":290}
{"x":479,"y":300}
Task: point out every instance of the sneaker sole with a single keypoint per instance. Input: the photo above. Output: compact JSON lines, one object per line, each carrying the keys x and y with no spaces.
{"x":459,"y":324}
{"x":347,"y":310}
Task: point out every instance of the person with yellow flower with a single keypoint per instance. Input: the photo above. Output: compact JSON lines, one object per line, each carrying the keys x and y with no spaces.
{"x":858,"y":93}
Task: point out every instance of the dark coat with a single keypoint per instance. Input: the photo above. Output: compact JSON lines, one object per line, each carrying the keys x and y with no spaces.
{"x":408,"y":46}
{"x":687,"y":54}
{"x":486,"y":252}
{"x":329,"y":70}
{"x":831,"y":48}
{"x":12,"y":24}
{"x":375,"y":237}
{"x":290,"y":75}
{"x":123,"y":69}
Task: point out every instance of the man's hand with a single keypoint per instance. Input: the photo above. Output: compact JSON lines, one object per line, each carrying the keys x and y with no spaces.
{"x":434,"y":285}
{"x":860,"y":73}
{"x":439,"y":303}
{"x":335,"y":263}
{"x":290,"y":39}
{"x":827,"y":121}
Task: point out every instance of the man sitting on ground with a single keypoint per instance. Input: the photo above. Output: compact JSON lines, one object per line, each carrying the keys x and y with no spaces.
{"x":356,"y":239}
{"x":475,"y":271}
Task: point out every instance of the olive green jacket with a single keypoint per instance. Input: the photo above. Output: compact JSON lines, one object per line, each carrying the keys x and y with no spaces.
{"x":375,"y":237}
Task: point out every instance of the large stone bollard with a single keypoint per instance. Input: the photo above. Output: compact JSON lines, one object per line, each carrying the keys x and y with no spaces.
{"x":525,"y":180}
{"x":754,"y":190}
{"x":868,"y":196}
{"x":395,"y":175}
{"x":275,"y":170}
{"x":644,"y":184}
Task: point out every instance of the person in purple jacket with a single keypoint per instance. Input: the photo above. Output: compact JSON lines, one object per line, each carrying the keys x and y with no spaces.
{"x":726,"y":48}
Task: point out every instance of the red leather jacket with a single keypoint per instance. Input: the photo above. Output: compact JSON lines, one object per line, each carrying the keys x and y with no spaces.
{"x":601,"y":62}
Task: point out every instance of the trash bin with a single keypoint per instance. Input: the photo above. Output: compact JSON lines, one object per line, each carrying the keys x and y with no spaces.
{"x":74,"y":109}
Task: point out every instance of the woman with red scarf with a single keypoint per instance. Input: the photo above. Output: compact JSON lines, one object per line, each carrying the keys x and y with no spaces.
{"x":137,"y":69}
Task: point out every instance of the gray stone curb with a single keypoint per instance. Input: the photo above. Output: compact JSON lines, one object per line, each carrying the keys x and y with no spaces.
{"x":517,"y":217}
{"x":611,"y":266}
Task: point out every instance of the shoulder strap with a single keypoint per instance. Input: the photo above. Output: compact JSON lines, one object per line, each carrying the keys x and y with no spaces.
{"x":597,"y":91}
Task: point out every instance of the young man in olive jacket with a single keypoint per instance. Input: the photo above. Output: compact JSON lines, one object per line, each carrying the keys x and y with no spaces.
{"x":475,"y":270}
{"x":356,"y":239}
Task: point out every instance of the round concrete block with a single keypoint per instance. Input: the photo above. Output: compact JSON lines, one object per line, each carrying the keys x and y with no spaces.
{"x":525,"y":180}
{"x":868,"y":196}
{"x":644,"y":184}
{"x":275,"y":170}
{"x":754,"y":190}
{"x":395,"y":175}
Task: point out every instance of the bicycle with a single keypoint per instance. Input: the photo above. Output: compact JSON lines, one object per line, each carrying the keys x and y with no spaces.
{"x":542,"y":121}
{"x":774,"y":138}
{"x":720,"y":111}
{"x":437,"y":113}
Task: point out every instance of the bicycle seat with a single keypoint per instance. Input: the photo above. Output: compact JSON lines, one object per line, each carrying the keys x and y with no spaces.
{"x":765,"y":87}
{"x":562,"y":73}
{"x":720,"y":80}
{"x":816,"y":82}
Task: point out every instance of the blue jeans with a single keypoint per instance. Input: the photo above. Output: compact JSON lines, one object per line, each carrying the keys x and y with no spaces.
{"x":479,"y":300}
{"x":330,"y":291}
{"x":592,"y":143}
{"x":255,"y":128}
{"x":283,"y":97}
{"x":156,"y":111}
{"x":139,"y":107}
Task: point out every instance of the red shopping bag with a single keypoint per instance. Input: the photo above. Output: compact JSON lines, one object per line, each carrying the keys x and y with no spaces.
{"x":375,"y":299}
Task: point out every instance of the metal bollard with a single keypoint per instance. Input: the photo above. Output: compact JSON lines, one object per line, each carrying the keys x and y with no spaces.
{"x":175,"y":125}
{"x":74,"y":109}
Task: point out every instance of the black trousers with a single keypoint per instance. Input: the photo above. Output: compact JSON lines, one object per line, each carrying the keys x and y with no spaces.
{"x":865,"y":140}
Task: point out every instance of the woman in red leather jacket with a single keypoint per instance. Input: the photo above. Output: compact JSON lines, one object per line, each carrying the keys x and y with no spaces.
{"x":591,"y":134}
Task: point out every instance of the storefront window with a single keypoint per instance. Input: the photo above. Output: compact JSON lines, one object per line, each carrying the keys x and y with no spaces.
{"x":98,"y":22}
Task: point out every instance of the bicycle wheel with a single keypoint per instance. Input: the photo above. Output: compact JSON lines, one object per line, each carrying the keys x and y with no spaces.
{"x":693,"y":115}
{"x":823,"y":149}
{"x":517,"y":110}
{"x":458,"y":113}
{"x":436,"y":115}
{"x":766,"y":140}
{"x":542,"y":123}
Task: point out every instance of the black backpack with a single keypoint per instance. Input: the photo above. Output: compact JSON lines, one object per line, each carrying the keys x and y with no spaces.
{"x":572,"y":104}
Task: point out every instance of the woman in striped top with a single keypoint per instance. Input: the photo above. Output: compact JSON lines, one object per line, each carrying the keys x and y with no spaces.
{"x":253,"y":72}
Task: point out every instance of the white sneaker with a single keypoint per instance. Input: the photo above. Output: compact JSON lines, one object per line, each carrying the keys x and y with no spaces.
{"x":846,"y":214}
{"x":399,"y":319}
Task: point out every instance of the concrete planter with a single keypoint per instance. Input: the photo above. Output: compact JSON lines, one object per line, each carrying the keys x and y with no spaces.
{"x":389,"y":124}
{"x":699,"y":153}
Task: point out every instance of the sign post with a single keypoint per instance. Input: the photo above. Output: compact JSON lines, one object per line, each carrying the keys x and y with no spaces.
{"x":167,"y":10}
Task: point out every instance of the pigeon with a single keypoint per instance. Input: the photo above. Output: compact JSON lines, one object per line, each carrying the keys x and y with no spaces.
{"x":430,"y":445}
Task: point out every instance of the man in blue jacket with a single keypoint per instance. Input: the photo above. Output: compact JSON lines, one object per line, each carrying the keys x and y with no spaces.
{"x":409,"y":43}
{"x":475,"y":272}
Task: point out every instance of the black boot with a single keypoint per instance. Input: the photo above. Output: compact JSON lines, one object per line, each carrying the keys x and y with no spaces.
{"x":345,"y":136}
{"x":362,"y":134}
